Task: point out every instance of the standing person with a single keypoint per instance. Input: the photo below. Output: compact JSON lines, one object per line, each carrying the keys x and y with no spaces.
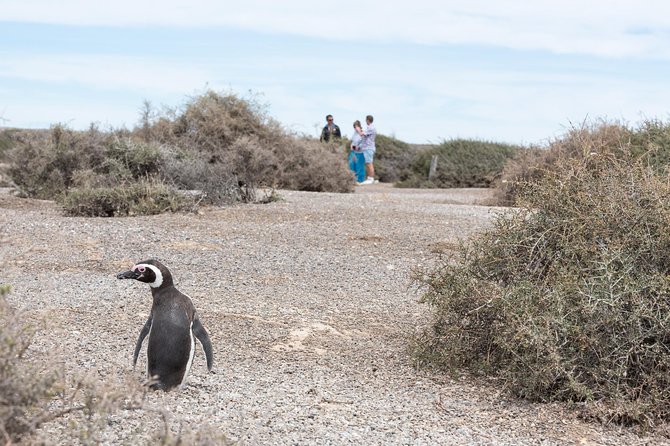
{"x":368,"y":146}
{"x":331,"y":132}
{"x":356,"y":157}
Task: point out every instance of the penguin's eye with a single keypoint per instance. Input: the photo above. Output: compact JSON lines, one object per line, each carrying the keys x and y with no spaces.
{"x":141,"y":269}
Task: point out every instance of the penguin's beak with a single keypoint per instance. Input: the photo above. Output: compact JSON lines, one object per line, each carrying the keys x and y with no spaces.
{"x":129,"y":275}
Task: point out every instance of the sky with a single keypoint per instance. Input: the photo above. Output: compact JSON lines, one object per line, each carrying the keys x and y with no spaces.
{"x":507,"y":71}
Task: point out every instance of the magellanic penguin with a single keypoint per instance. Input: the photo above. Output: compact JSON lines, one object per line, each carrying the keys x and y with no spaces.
{"x":172,"y":327}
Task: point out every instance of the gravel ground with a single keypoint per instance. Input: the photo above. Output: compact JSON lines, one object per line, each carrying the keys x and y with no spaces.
{"x":308,"y":308}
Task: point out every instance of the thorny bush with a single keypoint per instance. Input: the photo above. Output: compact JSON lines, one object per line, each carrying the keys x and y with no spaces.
{"x":568,"y":297}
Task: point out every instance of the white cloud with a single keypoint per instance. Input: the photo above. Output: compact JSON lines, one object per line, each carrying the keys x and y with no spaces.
{"x":106,"y":72}
{"x":611,"y":28}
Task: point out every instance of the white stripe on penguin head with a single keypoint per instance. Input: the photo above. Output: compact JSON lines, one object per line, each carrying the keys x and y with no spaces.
{"x":159,"y":276}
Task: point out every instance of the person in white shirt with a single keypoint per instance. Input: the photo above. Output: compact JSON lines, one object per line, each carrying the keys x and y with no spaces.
{"x":367,"y":144}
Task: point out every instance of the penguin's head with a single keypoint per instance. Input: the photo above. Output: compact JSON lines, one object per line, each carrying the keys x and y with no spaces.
{"x":149,"y":271}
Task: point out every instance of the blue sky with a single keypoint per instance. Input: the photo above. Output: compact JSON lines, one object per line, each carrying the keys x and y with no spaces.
{"x":509,"y":71}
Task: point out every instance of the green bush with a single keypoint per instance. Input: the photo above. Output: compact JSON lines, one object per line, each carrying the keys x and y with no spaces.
{"x":131,"y":159}
{"x":460,"y":163}
{"x":567,"y":298}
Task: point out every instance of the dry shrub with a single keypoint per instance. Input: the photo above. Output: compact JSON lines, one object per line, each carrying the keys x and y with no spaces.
{"x":528,"y":165}
{"x":35,"y":161}
{"x":225,"y":129}
{"x":211,"y":121}
{"x":306,"y":164}
{"x":47,"y":164}
{"x":650,"y":139}
{"x":35,"y":392}
{"x":216,"y":149}
{"x":253,"y":162}
{"x":393,"y":159}
{"x":24,"y":388}
{"x":192,"y":171}
{"x":5,"y":178}
{"x":144,"y":197}
{"x":7,"y":138}
{"x":567,"y":298}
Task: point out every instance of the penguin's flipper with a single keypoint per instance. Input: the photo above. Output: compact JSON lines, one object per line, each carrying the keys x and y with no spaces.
{"x":200,"y":333}
{"x":143,"y":334}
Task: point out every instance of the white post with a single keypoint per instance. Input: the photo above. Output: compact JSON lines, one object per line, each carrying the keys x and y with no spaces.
{"x":433,"y":167}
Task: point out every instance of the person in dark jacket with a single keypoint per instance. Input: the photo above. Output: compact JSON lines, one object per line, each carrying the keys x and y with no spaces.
{"x":331,"y":132}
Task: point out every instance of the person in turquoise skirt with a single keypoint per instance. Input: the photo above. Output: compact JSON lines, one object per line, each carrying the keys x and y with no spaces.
{"x":356,"y":157}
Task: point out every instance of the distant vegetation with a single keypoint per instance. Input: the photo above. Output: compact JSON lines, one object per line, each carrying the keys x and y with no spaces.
{"x":235,"y":135}
{"x":216,"y":149}
{"x":6,"y":140}
{"x":460,"y":163}
{"x":567,"y":297}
